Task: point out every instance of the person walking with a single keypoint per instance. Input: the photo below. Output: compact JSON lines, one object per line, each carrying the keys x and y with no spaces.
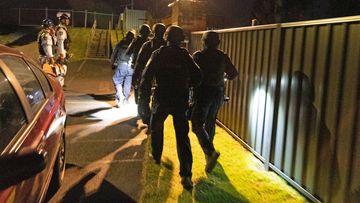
{"x":209,"y":96}
{"x":46,"y":42}
{"x":174,"y":71}
{"x":134,"y":49}
{"x":122,"y":75}
{"x":144,"y":54}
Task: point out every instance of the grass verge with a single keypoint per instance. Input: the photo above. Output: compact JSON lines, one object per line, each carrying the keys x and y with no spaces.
{"x":238,"y":176}
{"x":79,"y":40}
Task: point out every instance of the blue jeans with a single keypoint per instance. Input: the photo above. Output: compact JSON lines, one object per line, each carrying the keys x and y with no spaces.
{"x":122,"y":81}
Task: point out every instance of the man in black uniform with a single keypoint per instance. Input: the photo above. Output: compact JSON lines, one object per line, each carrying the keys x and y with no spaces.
{"x":174,"y":71}
{"x":209,"y":96}
{"x":143,"y":57}
{"x":134,"y":49}
{"x":123,"y":73}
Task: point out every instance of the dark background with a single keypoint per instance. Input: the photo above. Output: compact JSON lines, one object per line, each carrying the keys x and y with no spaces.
{"x":231,"y":13}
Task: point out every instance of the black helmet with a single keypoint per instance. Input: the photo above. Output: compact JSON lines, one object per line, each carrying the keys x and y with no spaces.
{"x":144,"y":30}
{"x":174,"y":34}
{"x":47,"y":22}
{"x":159,"y":30}
{"x":64,"y":16}
{"x":130,"y":35}
{"x":210,"y":39}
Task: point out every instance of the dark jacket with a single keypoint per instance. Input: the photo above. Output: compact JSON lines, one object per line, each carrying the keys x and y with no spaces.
{"x":144,"y":55}
{"x":213,"y":64}
{"x":119,"y":53}
{"x":174,"y":71}
{"x":134,"y":48}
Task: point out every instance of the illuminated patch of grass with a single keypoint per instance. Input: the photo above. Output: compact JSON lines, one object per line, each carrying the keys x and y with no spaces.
{"x":79,"y":40}
{"x":238,"y":176}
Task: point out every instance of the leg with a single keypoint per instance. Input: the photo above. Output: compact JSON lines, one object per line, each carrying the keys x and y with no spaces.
{"x":127,"y":83}
{"x":159,"y":115}
{"x":211,"y":118}
{"x":182,"y":141}
{"x":198,"y":119}
{"x":118,"y":79}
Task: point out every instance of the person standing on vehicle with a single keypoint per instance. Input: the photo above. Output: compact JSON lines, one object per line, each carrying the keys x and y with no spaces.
{"x":46,"y":42}
{"x":174,"y":71}
{"x":121,"y":78}
{"x":209,"y":96}
{"x":144,"y":54}
{"x":134,"y":49}
{"x":63,"y":38}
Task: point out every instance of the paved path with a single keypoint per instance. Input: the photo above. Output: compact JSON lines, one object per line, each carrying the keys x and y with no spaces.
{"x":104,"y":149}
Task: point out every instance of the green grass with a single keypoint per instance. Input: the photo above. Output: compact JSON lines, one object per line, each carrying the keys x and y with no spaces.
{"x":5,"y":39}
{"x":238,"y":176}
{"x":79,"y":40}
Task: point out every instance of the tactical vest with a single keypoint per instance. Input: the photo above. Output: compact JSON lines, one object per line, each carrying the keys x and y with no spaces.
{"x":67,"y":41}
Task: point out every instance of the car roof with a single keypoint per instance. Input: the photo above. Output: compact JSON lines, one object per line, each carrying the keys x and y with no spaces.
{"x":6,"y":49}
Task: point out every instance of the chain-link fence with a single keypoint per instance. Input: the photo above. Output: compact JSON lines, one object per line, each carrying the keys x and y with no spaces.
{"x":34,"y":16}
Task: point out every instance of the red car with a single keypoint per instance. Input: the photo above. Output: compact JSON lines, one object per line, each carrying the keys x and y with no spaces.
{"x":32,"y":129}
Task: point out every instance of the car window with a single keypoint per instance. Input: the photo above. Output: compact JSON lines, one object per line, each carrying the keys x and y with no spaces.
{"x":27,"y":80}
{"x":12,"y":116}
{"x":43,"y":81}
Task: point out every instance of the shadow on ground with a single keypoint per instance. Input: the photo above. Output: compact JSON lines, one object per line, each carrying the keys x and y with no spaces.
{"x":107,"y":192}
{"x":206,"y":190}
{"x":29,"y":34}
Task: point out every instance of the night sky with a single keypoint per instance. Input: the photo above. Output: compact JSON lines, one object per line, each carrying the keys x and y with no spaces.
{"x":233,"y":12}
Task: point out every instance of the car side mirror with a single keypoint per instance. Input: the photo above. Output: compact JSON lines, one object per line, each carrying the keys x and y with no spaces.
{"x":20,"y":166}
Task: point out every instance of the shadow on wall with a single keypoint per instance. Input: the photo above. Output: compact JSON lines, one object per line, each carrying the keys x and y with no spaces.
{"x":315,"y":131}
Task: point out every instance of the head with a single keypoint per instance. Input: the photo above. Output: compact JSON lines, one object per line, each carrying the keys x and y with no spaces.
{"x":64,"y":19}
{"x":174,"y":35}
{"x":47,"y":23}
{"x":210,"y":39}
{"x":159,"y":30}
{"x":130,"y":35}
{"x":144,"y":30}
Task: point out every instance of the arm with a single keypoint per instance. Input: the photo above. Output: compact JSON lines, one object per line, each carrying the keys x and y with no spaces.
{"x":140,"y":62}
{"x":230,"y":69}
{"x":146,"y":80}
{"x":47,"y":43}
{"x":114,"y":54}
{"x":195,"y":72}
{"x":61,"y":36}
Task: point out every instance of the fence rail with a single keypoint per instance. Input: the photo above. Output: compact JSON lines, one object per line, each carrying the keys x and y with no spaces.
{"x":34,"y":16}
{"x":296,"y":104}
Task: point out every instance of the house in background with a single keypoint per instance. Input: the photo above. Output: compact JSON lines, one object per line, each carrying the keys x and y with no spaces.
{"x":189,"y":14}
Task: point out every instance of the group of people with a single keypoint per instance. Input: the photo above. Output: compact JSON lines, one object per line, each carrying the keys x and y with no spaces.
{"x":162,"y":73}
{"x":53,"y":44}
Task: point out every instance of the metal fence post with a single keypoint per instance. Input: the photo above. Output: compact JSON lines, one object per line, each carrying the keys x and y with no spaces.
{"x":85,"y":24}
{"x":19,"y":19}
{"x":72,"y":17}
{"x":46,"y":12}
{"x":112,"y":20}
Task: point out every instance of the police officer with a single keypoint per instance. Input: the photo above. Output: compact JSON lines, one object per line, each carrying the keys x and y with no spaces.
{"x":174,"y":71}
{"x":46,"y":41}
{"x":63,"y":38}
{"x":144,"y":54}
{"x":121,"y":61}
{"x":134,"y":49}
{"x":209,"y":96}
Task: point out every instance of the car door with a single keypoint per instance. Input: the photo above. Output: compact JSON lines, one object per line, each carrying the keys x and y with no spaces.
{"x":33,"y":102}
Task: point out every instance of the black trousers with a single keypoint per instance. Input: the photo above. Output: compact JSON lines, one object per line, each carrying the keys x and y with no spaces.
{"x":181,"y":125}
{"x":207,"y":104}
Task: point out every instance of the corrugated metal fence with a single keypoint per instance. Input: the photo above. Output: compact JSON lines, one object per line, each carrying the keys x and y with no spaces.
{"x":295,"y":104}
